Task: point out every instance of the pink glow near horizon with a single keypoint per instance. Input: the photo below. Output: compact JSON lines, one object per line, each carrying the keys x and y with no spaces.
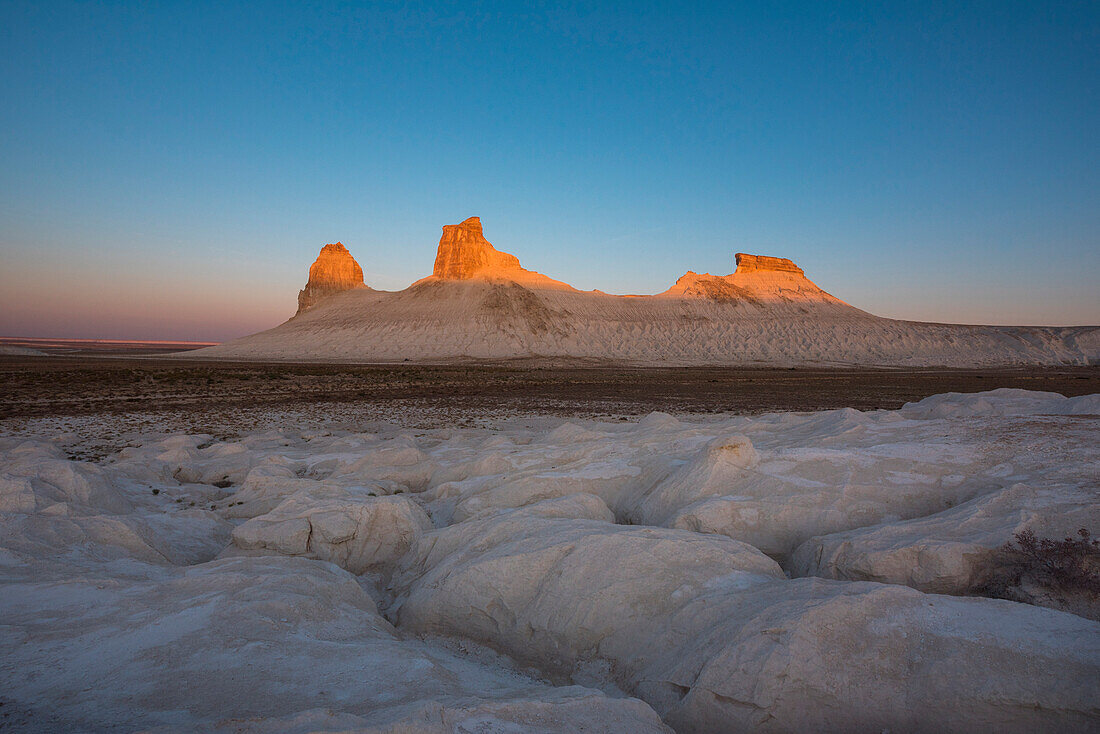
{"x":234,"y":300}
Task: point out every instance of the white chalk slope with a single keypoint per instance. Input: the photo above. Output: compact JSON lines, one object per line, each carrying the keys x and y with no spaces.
{"x":480,"y":304}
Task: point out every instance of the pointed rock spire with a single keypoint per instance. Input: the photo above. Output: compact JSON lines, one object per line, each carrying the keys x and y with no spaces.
{"x":333,"y":271}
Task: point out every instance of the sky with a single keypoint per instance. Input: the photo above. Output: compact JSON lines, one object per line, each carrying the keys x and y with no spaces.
{"x":170,"y":170}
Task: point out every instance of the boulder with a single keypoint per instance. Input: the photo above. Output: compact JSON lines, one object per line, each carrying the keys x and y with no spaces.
{"x":950,"y":552}
{"x":355,"y":531}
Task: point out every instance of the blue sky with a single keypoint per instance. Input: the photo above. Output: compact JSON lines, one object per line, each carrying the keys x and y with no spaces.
{"x":171,"y":169}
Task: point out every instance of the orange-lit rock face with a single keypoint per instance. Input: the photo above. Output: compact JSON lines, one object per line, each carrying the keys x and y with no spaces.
{"x":333,"y":271}
{"x":464,"y":253}
{"x":758,"y":281}
{"x":762,"y":263}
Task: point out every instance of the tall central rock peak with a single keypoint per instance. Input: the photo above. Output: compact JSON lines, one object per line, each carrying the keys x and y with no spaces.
{"x":465,"y":253}
{"x":333,"y":271}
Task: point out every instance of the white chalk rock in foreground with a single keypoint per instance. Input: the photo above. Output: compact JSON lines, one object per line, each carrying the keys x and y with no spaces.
{"x":35,"y":476}
{"x":1002,"y":402}
{"x":709,"y":632}
{"x":569,"y":709}
{"x":399,"y":460}
{"x":187,"y":537}
{"x":113,"y":615}
{"x":245,"y":642}
{"x":51,"y":507}
{"x":777,"y":499}
{"x":813,"y":655}
{"x":950,"y":552}
{"x":220,"y":463}
{"x":265,"y":487}
{"x":515,"y":580}
{"x":355,"y":531}
{"x":726,"y":462}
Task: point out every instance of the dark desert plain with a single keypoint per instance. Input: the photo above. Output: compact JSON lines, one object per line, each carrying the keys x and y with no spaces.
{"x":123,"y":380}
{"x":103,"y":392}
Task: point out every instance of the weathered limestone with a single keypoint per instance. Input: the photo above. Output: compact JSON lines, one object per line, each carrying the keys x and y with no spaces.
{"x":709,"y":632}
{"x":464,"y":252}
{"x":334,"y":271}
{"x":751,"y":263}
{"x":353,"y":529}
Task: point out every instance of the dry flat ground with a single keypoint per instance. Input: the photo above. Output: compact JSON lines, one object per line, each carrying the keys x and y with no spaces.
{"x":41,"y":387}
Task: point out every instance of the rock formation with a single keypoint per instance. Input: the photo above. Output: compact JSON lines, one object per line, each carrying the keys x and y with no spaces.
{"x":711,"y":287}
{"x":480,"y":303}
{"x":347,"y":526}
{"x":464,"y":252}
{"x":752,"y":263}
{"x":759,"y":281}
{"x":333,"y":271}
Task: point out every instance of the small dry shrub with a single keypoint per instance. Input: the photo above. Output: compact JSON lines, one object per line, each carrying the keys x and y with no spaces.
{"x":1069,"y":563}
{"x":1064,"y":574}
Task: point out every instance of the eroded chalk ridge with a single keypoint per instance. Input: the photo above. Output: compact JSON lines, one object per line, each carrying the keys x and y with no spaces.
{"x":789,"y":572}
{"x":480,"y":303}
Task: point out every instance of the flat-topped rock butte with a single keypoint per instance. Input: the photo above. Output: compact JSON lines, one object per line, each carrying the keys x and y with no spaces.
{"x":751,"y":263}
{"x":465,"y":253}
{"x":481,"y":304}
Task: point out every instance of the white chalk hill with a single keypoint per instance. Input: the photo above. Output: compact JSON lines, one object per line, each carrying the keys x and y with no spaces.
{"x":479,"y":303}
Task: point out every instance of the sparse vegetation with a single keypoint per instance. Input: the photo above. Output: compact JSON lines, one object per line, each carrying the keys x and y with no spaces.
{"x":1063,"y":574}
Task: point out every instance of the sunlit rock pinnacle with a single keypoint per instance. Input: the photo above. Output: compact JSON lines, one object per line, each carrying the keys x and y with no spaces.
{"x":333,"y":271}
{"x":464,"y":252}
